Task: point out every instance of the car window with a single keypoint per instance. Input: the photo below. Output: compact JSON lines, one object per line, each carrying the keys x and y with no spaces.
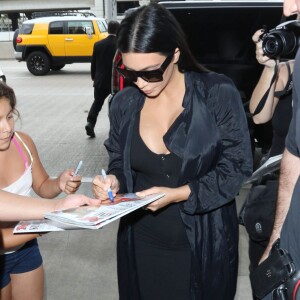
{"x":56,"y":28}
{"x":79,"y":27}
{"x":26,"y":29}
{"x":102,"y":26}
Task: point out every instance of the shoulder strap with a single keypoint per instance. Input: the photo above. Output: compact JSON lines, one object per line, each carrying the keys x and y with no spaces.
{"x":288,"y":85}
{"x":25,"y":146}
{"x":263,"y":100}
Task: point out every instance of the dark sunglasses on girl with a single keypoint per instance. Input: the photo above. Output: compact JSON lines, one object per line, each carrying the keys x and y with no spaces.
{"x":149,"y":76}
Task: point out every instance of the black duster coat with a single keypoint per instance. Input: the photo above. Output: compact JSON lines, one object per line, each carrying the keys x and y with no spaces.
{"x":211,"y":137}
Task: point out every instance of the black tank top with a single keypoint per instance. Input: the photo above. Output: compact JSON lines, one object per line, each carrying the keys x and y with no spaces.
{"x":282,"y":117}
{"x":153,"y":169}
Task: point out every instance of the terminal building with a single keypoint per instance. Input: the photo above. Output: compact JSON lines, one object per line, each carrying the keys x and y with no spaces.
{"x":12,"y":10}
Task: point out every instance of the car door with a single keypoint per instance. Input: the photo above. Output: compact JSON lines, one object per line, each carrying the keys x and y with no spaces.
{"x":77,"y":41}
{"x":56,"y":38}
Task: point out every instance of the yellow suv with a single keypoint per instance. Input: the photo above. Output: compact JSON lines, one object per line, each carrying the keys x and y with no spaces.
{"x":51,"y":42}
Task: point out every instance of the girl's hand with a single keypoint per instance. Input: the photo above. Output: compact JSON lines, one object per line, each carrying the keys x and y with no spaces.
{"x":75,"y":201}
{"x":261,"y":58}
{"x":68,"y":183}
{"x":100,"y":186}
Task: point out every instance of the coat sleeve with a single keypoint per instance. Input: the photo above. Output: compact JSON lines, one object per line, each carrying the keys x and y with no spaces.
{"x":222,"y":183}
{"x":112,"y":144}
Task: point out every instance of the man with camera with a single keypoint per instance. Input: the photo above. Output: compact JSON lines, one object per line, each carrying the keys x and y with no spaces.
{"x":287,"y":219}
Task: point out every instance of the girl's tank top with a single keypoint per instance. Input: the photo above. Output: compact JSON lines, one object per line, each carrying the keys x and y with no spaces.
{"x":23,"y":185}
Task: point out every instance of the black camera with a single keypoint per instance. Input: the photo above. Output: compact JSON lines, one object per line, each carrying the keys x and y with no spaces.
{"x":282,"y":41}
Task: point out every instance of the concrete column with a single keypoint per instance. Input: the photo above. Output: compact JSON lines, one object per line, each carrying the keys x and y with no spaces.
{"x":144,"y":2}
{"x":99,"y":8}
{"x":111,"y":10}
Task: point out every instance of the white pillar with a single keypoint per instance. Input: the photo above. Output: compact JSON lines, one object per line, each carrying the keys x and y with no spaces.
{"x":144,"y":2}
{"x":111,"y":10}
{"x":98,"y":8}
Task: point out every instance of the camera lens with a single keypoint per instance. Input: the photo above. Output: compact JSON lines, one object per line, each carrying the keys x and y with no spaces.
{"x":278,"y":44}
{"x":272,"y":46}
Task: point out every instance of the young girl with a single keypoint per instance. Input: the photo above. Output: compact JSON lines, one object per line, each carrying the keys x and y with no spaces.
{"x":21,"y":270}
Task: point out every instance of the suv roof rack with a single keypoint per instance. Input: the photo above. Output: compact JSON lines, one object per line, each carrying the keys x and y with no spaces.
{"x":41,"y":14}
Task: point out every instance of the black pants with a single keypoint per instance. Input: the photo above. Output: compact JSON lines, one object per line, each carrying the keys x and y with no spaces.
{"x":100,"y":95}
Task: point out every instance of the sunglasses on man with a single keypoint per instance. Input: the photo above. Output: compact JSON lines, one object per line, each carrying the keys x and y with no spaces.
{"x":149,"y":76}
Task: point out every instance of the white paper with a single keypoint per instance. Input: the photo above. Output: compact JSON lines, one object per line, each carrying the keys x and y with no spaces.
{"x":272,"y":164}
{"x":89,"y":217}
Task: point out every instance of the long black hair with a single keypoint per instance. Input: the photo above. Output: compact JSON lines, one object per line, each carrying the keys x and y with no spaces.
{"x":152,"y":28}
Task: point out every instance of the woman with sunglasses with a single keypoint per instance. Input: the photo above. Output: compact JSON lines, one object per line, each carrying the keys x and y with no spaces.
{"x":182,"y":131}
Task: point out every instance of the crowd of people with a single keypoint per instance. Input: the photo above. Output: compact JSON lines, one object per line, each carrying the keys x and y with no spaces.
{"x":172,"y":248}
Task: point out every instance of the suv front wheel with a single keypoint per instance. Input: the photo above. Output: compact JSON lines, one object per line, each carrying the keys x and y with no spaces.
{"x":38,"y":63}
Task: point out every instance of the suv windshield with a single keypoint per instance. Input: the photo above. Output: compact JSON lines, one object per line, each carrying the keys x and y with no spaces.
{"x":102,"y":26}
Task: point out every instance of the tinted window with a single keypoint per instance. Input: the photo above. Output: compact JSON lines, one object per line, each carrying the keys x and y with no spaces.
{"x":79,"y":27}
{"x":221,"y":39}
{"x":26,"y":29}
{"x":56,"y":28}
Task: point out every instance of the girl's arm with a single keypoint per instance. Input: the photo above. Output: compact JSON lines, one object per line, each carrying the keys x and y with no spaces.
{"x":15,"y":207}
{"x":42,"y":184}
{"x":9,"y":240}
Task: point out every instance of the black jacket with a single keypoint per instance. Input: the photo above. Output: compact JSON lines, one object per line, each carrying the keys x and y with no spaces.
{"x":102,"y":60}
{"x":211,"y":137}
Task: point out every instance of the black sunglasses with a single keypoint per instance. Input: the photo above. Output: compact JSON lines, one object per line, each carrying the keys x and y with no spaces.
{"x":149,"y":76}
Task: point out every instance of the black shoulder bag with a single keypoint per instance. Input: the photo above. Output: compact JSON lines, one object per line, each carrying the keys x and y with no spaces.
{"x":276,"y":275}
{"x":258,"y":211}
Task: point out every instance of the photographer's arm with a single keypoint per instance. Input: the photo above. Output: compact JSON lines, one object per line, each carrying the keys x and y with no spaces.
{"x":289,"y":173}
{"x":264,"y":83}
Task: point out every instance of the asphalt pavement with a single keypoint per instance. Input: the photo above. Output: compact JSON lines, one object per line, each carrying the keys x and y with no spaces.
{"x":80,"y":264}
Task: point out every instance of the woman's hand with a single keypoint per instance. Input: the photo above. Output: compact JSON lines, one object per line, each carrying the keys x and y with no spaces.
{"x":68,"y":183}
{"x":172,"y":195}
{"x":261,"y":58}
{"x":75,"y":201}
{"x":100,"y":186}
